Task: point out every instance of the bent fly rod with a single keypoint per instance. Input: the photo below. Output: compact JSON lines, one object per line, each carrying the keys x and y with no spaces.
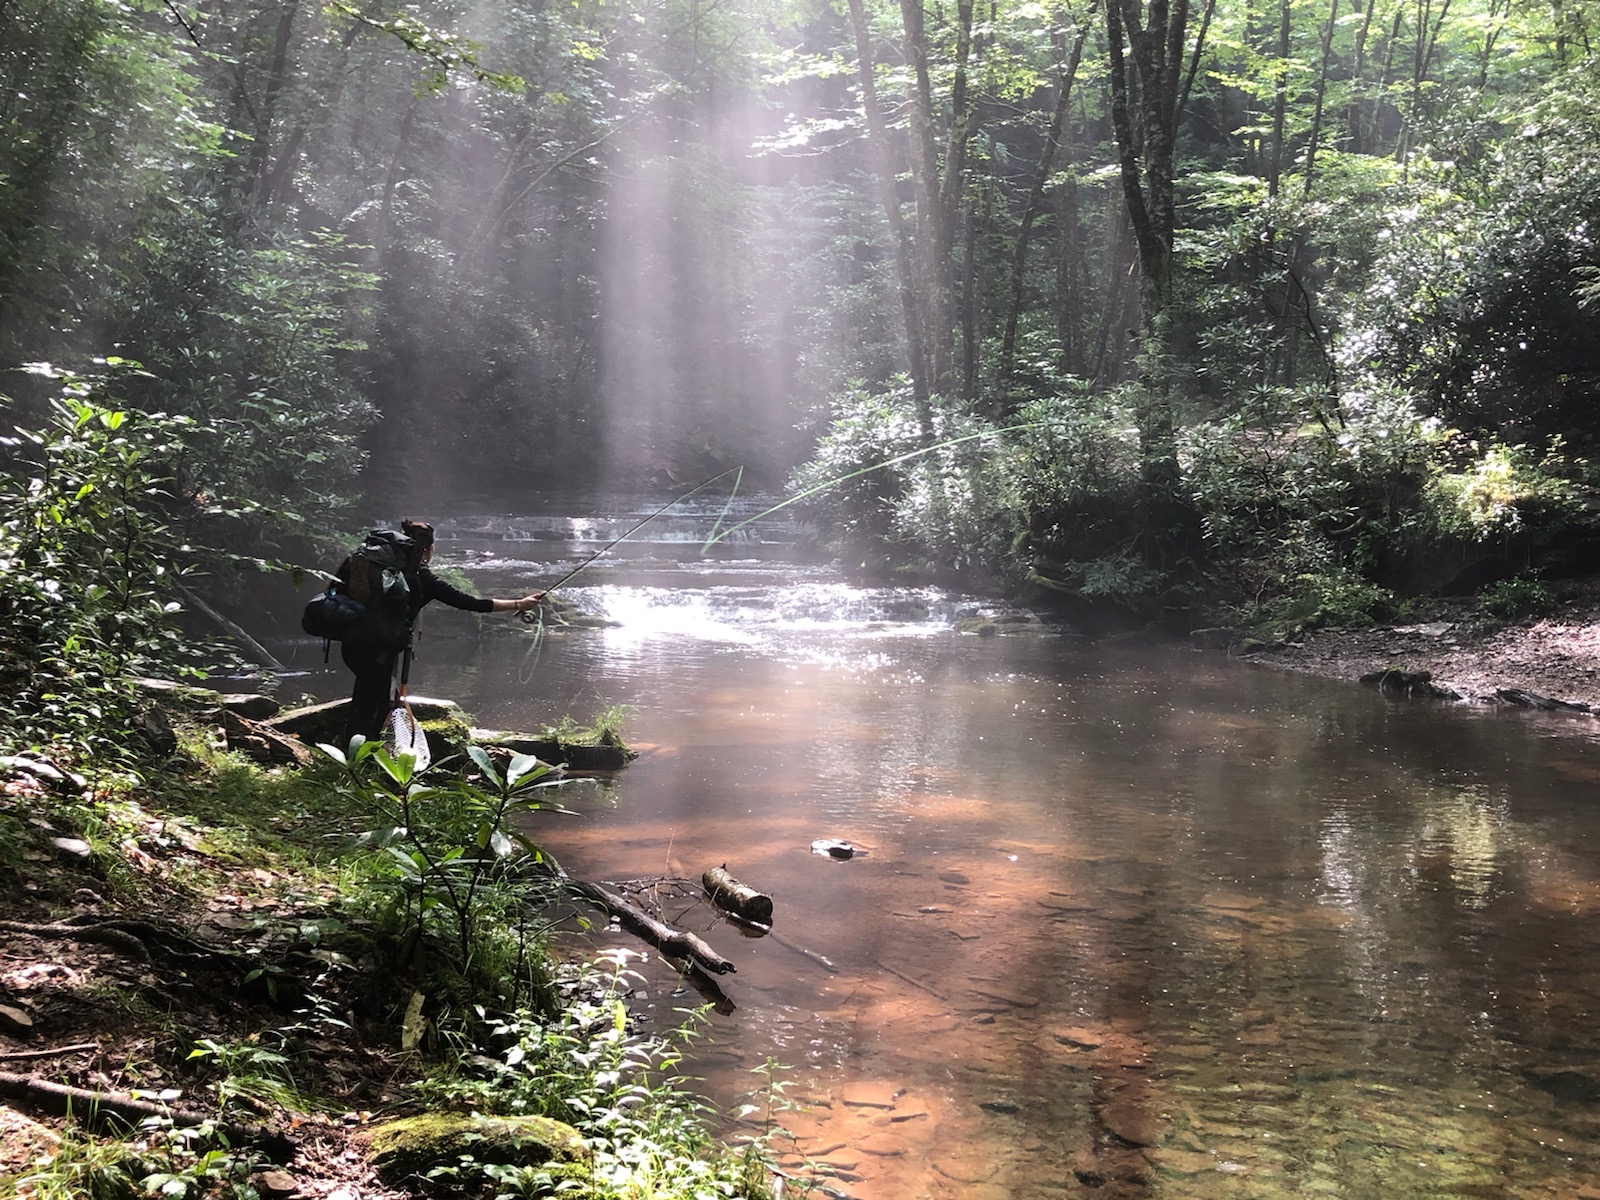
{"x":532,"y":616}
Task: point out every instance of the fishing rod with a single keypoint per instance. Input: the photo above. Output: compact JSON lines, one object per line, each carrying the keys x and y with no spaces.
{"x":531,"y":616}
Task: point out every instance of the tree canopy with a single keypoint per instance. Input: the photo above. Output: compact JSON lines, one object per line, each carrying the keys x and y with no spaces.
{"x":1233,"y":289}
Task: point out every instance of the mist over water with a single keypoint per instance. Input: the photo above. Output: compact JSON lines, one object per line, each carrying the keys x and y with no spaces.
{"x":1127,"y":920}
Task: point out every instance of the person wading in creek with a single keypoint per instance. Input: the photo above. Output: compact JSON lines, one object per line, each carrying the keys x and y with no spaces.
{"x":373,"y":696}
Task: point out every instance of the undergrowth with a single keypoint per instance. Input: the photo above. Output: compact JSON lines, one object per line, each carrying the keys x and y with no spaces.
{"x":417,"y":900}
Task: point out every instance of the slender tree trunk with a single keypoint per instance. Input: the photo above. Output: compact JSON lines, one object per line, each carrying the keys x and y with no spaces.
{"x":1280,"y":102}
{"x":884,"y":175}
{"x":1427,"y":38}
{"x":1322,"y":91}
{"x":979,"y":224}
{"x":1385,"y":74}
{"x":1353,"y":117}
{"x":1068,"y":73}
{"x":1119,"y":316}
{"x":1146,"y":56}
{"x":932,"y":292}
{"x":277,"y":72}
{"x":1497,"y":14}
{"x":1069,"y":282}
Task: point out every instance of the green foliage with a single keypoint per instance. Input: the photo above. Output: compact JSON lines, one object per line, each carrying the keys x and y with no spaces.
{"x":163,"y":1160}
{"x":1476,"y":298}
{"x":252,"y":338}
{"x":449,"y":862}
{"x":1337,"y":597}
{"x":1518,"y":597}
{"x":1500,"y":491}
{"x":889,"y":485}
{"x":854,"y":497}
{"x":1079,"y":453}
{"x":80,"y":1168}
{"x":608,"y":723}
{"x":589,"y":1068}
{"x":1310,"y":497}
{"x":91,"y":570}
{"x":1121,"y":577}
{"x":101,"y":123}
{"x":252,"y":1074}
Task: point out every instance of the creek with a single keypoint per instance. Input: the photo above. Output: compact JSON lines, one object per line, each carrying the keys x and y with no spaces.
{"x":1125,"y":919}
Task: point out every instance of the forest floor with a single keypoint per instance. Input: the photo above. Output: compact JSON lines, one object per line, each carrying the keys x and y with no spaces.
{"x":1553,"y":657}
{"x":127,"y":973}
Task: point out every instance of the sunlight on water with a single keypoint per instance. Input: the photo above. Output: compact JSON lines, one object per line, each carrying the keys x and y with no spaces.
{"x":807,"y":621}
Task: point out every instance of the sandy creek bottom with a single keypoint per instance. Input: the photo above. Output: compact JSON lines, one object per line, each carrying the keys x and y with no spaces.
{"x":1125,"y":922}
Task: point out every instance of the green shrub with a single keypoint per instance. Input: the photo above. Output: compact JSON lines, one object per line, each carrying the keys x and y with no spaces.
{"x":587,"y":1066}
{"x":1338,"y":598}
{"x":447,"y":863}
{"x":91,"y":572}
{"x":882,"y":487}
{"x":1520,"y":596}
{"x":1501,"y":490}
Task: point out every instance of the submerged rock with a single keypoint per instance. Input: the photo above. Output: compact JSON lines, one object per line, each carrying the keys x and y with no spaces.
{"x":834,"y":848}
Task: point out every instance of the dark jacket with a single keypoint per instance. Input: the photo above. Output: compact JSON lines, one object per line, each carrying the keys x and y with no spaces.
{"x":427,"y":587}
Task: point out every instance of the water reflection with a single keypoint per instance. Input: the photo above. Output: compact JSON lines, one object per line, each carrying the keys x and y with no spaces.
{"x":1131,"y":921}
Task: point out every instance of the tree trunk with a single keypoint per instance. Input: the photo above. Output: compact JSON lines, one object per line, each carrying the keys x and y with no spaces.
{"x":1280,"y":102}
{"x":1146,"y":60}
{"x":932,"y":279}
{"x":1355,"y":126}
{"x":971,"y":289}
{"x":1322,"y":92}
{"x":256,"y":173}
{"x":1067,"y":74}
{"x":884,"y":175}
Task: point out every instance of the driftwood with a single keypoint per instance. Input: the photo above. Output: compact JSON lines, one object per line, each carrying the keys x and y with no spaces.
{"x":1409,"y":683}
{"x":93,"y":1108}
{"x":741,"y":900}
{"x":659,"y":934}
{"x":1525,"y":699}
{"x":708,"y":987}
{"x":263,"y":655}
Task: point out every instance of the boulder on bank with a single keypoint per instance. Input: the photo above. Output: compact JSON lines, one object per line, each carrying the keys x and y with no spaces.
{"x":411,"y":1147}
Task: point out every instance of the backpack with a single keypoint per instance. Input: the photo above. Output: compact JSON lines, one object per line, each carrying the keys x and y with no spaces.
{"x":370,"y":602}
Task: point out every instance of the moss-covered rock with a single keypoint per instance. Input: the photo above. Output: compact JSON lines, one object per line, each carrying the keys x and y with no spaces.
{"x":413,"y":1146}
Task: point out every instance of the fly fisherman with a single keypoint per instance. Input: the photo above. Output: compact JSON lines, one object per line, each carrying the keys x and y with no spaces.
{"x":372,"y":696}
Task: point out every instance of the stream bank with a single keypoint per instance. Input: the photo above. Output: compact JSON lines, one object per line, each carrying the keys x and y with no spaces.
{"x":1464,"y":651}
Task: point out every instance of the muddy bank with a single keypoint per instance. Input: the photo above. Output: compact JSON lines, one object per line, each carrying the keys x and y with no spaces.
{"x":1480,"y":659}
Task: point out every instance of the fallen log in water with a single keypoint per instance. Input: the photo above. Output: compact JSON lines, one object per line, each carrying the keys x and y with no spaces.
{"x":658,"y":933}
{"x":743,"y":901}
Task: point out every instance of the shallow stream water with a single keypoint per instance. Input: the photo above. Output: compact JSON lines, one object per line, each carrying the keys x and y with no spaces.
{"x":1124,"y":919}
